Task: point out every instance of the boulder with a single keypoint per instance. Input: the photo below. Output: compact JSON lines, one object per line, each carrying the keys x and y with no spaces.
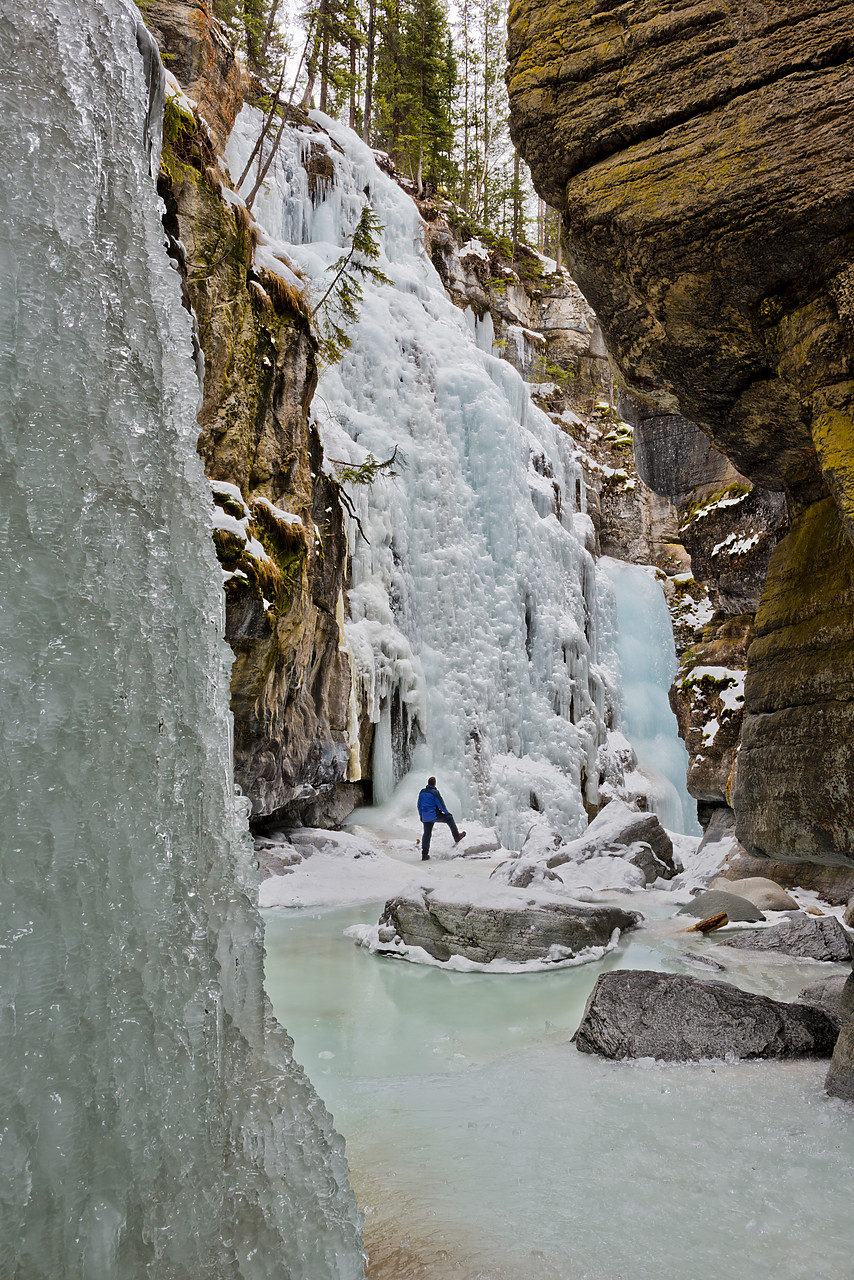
{"x":544,"y":931}
{"x":848,"y":917}
{"x":277,"y":860}
{"x":714,"y":901}
{"x":807,"y":937}
{"x":826,"y":994}
{"x":625,"y":832}
{"x":673,"y":1017}
{"x":840,"y":1077}
{"x":520,"y":873}
{"x":540,"y":842}
{"x":763,"y":893}
{"x":832,"y":884}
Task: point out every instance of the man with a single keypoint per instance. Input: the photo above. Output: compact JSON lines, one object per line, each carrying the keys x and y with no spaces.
{"x":432,"y":809}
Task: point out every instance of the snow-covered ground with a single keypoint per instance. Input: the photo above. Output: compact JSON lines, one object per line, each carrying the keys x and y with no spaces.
{"x":378,"y":857}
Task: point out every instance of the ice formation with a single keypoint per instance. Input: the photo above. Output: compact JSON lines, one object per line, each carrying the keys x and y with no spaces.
{"x":647,"y":656}
{"x":154,"y":1122}
{"x":481,"y":632}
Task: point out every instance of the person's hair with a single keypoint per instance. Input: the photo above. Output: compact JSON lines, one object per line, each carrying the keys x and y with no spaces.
{"x":431,"y":782}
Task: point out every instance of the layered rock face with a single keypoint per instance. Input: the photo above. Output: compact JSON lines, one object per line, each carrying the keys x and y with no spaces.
{"x":291,"y":678}
{"x":701,"y":157}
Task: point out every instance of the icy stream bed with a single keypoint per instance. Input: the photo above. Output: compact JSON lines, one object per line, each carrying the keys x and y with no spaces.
{"x":483,"y":1145}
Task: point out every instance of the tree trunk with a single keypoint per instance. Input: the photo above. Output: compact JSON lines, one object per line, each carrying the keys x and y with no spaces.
{"x":517,"y":203}
{"x":352,"y":82}
{"x":324,"y":68}
{"x":369,"y":74}
{"x":311,"y":65}
{"x":268,"y":34}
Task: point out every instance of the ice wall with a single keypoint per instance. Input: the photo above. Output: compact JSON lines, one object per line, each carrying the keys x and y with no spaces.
{"x":153,"y":1121}
{"x":475,"y":617}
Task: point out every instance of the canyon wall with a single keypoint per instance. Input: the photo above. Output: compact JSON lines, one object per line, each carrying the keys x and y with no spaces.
{"x":701,"y":158}
{"x":279,"y":525}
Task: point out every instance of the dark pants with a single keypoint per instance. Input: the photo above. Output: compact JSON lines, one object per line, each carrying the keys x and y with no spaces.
{"x":428,"y":832}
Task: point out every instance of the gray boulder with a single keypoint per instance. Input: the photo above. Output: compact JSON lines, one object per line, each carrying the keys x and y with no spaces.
{"x":714,"y":901}
{"x":763,"y":893}
{"x":627,"y":833}
{"x":277,"y":861}
{"x":807,"y":937}
{"x":676,"y":1018}
{"x":555,"y":931}
{"x":840,"y":1077}
{"x":826,"y":994}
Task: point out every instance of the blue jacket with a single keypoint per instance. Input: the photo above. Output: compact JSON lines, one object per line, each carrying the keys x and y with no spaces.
{"x":430,"y":804}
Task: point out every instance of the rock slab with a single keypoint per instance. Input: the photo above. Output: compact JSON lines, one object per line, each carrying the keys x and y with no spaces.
{"x":555,"y":931}
{"x":808,"y":937}
{"x":675,"y":1018}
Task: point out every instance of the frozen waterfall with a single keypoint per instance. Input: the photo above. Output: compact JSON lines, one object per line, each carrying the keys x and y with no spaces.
{"x":481,"y":641}
{"x":647,"y":655}
{"x":154,"y":1122}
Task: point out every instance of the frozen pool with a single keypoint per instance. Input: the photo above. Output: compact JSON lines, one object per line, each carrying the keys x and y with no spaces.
{"x":482,"y":1145}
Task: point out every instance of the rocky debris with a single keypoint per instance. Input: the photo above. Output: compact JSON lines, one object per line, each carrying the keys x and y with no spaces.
{"x":848,"y":917}
{"x":714,"y":900}
{"x":623,"y":832}
{"x":801,"y":935}
{"x":276,"y":859}
{"x":826,"y":994}
{"x":548,"y":931}
{"x":763,"y":893}
{"x":840,"y":1077}
{"x":673,"y":1017}
{"x":328,"y":806}
{"x":540,"y":842}
{"x":709,"y":923}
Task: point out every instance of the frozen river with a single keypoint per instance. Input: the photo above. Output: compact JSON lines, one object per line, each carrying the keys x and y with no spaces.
{"x":482,"y":1145}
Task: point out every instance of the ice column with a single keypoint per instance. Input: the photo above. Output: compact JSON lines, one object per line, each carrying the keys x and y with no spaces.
{"x":647,"y":657}
{"x":154,"y":1122}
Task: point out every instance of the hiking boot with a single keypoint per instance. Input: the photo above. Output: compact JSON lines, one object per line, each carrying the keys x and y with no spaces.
{"x":425,"y":857}
{"x":460,"y":837}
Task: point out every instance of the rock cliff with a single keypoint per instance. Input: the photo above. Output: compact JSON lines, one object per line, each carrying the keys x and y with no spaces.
{"x":279,"y":523}
{"x":700,"y":155}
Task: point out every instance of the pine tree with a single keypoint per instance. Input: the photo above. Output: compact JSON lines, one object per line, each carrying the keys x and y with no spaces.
{"x":255,"y":27}
{"x":415,"y":85}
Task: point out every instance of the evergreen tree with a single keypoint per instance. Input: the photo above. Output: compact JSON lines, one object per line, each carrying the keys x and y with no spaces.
{"x":255,"y":26}
{"x":416,"y":77}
